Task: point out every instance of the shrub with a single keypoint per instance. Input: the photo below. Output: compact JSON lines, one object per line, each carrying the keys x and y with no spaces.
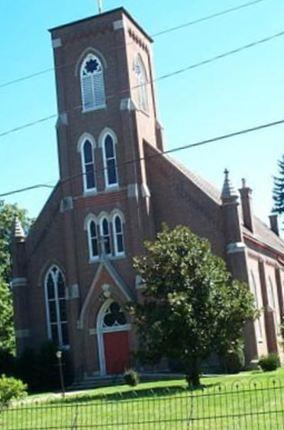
{"x":233,"y":361}
{"x":269,"y":362}
{"x":40,"y":370}
{"x":131,"y":378}
{"x":282,"y":331}
{"x":7,"y":363}
{"x":10,"y":389}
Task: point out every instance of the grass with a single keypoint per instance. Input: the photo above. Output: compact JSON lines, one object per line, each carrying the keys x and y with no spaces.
{"x":249,"y":400}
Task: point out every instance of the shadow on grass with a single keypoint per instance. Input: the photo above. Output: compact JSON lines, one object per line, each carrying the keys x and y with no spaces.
{"x":153,"y":393}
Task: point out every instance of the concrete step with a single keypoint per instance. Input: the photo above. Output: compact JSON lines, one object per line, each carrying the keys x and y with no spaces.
{"x":111,"y":380}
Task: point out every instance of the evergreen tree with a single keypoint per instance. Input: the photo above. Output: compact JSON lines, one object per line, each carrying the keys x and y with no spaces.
{"x":278,"y":190}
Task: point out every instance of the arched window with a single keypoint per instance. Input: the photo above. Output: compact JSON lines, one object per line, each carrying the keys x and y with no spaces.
{"x":141,"y":84}
{"x":109,"y":155}
{"x":92,"y":83}
{"x":271,"y":297}
{"x":259,"y":333}
{"x":118,"y":235}
{"x":93,"y":240}
{"x":88,"y":165}
{"x":105,"y":237}
{"x":113,"y":317}
{"x":56,"y":307}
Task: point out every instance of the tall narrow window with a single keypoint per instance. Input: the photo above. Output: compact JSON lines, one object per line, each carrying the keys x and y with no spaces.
{"x":105,"y":237}
{"x":92,"y":83}
{"x":259,"y":333}
{"x":93,"y":239}
{"x":56,"y":307}
{"x":141,"y":84}
{"x":88,"y":165}
{"x":109,"y":154}
{"x":118,"y":235}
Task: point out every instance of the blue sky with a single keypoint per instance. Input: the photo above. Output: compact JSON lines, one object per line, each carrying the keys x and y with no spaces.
{"x":234,"y":93}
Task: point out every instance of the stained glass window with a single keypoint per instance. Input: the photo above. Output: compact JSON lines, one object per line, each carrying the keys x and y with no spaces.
{"x":56,"y":307}
{"x":118,"y":235}
{"x":105,"y":235}
{"x":93,"y":239}
{"x":110,"y":161}
{"x":88,"y":165}
{"x":114,"y":316}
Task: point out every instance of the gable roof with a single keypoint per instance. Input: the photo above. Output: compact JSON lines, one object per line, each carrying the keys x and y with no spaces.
{"x":263,"y":234}
{"x":205,"y":186}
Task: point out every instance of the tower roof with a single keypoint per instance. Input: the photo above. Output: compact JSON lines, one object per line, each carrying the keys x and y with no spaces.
{"x":18,"y":233}
{"x":122,"y":10}
{"x":228,"y":190}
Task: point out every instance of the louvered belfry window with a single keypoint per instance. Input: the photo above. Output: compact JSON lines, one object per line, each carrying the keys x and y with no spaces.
{"x":141,"y":84}
{"x":92,"y":83}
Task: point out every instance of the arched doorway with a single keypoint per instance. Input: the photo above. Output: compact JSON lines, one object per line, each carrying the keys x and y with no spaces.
{"x":113,"y":338}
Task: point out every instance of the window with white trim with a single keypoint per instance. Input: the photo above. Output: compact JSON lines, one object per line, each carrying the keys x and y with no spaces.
{"x":141,"y":84}
{"x":93,"y":240}
{"x":259,"y":333}
{"x":271,"y":297}
{"x":114,"y":316}
{"x":109,"y":155}
{"x":118,"y":235}
{"x":105,"y":236}
{"x":56,"y":307}
{"x":272,"y":300}
{"x":88,"y":165}
{"x":92,"y":83}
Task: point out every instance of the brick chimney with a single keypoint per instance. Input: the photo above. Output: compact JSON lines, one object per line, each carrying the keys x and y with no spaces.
{"x":246,"y":202}
{"x":274,"y":223}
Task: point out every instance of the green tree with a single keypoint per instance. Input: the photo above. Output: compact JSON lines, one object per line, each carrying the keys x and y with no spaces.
{"x":8,"y":213}
{"x":191,"y":307}
{"x":7,"y":342}
{"x":278,"y":190}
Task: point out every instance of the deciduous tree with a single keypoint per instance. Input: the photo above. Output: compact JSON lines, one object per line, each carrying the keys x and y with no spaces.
{"x":191,"y":306}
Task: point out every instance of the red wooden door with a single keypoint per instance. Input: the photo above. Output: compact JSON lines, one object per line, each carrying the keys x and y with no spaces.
{"x":116,"y":352}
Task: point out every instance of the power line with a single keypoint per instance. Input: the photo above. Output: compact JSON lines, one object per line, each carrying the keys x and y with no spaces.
{"x":158,"y":154}
{"x":160,"y":78}
{"x":155,"y":35}
{"x":207,"y":18}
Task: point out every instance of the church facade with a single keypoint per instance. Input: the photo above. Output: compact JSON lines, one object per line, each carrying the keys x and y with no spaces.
{"x":72,"y":273}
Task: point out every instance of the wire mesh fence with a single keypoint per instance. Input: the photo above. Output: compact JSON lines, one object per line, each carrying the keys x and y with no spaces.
{"x":254,"y":406}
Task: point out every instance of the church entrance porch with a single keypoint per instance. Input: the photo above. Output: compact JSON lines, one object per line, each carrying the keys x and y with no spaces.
{"x":113,"y":339}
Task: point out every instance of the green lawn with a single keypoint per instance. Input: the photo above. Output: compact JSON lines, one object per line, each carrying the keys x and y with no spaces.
{"x":250,"y":400}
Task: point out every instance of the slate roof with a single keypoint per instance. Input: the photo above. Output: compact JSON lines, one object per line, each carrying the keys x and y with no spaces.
{"x":208,"y":188}
{"x":263,"y":234}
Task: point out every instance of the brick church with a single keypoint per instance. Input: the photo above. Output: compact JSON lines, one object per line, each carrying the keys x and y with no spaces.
{"x":72,"y":273}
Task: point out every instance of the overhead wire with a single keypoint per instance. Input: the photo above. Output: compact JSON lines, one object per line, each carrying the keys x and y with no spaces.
{"x":158,"y":154}
{"x":160,"y":78}
{"x":155,"y":35}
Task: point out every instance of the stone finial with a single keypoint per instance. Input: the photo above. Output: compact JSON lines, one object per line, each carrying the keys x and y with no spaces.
{"x":19,"y":233}
{"x":228,"y":190}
